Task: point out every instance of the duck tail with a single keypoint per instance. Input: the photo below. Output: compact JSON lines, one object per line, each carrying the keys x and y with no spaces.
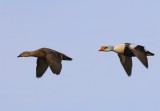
{"x":66,"y":58}
{"x":149,"y":53}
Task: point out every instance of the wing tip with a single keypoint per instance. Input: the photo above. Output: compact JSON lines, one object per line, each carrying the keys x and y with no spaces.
{"x":38,"y":77}
{"x":57,"y":73}
{"x":129,"y":74}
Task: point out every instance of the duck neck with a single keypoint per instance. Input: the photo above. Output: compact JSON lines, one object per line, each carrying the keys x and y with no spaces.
{"x":37,"y":53}
{"x":31,"y":53}
{"x":111,"y":48}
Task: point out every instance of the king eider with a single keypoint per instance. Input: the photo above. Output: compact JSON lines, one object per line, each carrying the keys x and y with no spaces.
{"x":46,"y":57}
{"x":127,"y":50}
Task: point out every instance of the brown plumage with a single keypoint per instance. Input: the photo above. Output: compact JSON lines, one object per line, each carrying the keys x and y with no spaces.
{"x":46,"y":57}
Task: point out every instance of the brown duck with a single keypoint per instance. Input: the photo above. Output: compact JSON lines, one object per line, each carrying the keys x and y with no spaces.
{"x":46,"y":57}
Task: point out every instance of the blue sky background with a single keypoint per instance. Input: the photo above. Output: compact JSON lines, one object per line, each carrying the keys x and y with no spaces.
{"x":93,"y":81}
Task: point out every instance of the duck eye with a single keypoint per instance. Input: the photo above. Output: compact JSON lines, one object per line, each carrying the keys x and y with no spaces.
{"x":105,"y":47}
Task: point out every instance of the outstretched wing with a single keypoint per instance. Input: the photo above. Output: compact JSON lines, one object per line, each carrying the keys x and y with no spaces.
{"x":126,"y":63}
{"x":139,"y":52}
{"x":42,"y":66}
{"x":54,"y":62}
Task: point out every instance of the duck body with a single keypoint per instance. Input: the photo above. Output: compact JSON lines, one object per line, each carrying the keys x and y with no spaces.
{"x":46,"y":58}
{"x":127,"y":50}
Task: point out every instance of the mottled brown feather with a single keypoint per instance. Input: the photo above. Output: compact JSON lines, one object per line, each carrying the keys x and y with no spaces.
{"x":54,"y":62}
{"x":42,"y":66}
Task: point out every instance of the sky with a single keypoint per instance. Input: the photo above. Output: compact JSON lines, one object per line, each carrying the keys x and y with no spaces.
{"x":93,"y":81}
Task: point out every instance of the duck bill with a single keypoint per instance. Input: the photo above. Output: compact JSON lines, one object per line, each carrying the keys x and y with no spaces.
{"x":19,"y":56}
{"x":100,"y":50}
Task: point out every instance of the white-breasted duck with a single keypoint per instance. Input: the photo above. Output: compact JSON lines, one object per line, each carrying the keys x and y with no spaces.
{"x":127,"y":50}
{"x":46,"y":57}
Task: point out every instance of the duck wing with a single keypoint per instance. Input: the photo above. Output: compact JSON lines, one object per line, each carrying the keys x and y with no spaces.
{"x":140,"y":53}
{"x":126,"y":62}
{"x":42,"y":66}
{"x":54,"y":62}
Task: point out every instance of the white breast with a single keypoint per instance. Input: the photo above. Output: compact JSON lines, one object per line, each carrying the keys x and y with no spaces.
{"x":119,"y":48}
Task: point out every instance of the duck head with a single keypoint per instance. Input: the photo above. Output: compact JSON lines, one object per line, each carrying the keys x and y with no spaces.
{"x":106,"y":48}
{"x":25,"y":54}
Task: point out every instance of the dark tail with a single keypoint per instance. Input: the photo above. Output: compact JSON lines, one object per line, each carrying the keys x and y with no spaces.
{"x":64,"y":57}
{"x":149,"y":53}
{"x":67,"y":58}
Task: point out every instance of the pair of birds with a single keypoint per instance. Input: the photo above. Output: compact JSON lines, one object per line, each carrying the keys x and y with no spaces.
{"x":51,"y":58}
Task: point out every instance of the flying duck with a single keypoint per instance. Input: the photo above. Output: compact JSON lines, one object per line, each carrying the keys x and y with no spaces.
{"x":46,"y":57}
{"x":127,"y":50}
